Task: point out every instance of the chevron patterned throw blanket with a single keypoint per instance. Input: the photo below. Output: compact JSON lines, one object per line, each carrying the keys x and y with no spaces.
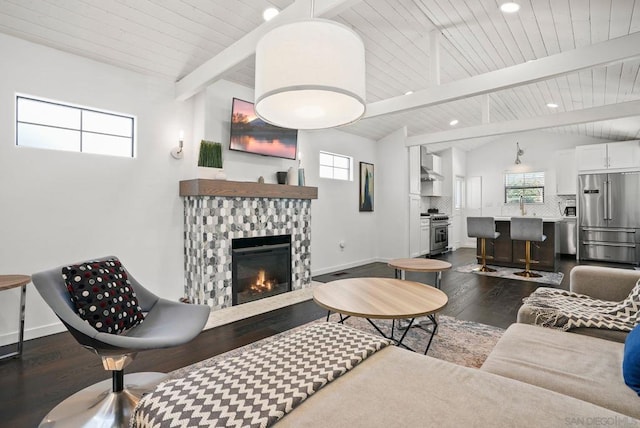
{"x":260,"y":386}
{"x":566,"y":310}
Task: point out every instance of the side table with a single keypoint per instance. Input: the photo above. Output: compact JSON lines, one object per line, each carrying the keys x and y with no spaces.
{"x":8,"y":282}
{"x":420,"y":265}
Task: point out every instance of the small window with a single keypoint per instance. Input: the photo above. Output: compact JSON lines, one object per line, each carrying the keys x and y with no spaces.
{"x":529,"y":185}
{"x":57,"y":126}
{"x":337,"y":167}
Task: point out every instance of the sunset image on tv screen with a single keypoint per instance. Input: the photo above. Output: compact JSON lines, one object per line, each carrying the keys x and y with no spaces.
{"x":251,"y":134}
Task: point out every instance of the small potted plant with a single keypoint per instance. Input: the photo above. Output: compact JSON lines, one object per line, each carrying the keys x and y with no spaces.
{"x":210,"y":160}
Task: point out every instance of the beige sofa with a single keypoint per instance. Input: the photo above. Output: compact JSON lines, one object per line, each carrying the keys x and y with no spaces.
{"x":400,"y":388}
{"x":603,"y":283}
{"x":534,"y":377}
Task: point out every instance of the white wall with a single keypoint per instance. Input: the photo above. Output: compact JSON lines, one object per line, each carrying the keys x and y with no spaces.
{"x":392,"y":196}
{"x":458,"y":229}
{"x":334,"y":215}
{"x":62,"y":207}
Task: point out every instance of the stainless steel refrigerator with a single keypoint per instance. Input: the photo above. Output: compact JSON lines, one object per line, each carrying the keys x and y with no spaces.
{"x":609,"y":217}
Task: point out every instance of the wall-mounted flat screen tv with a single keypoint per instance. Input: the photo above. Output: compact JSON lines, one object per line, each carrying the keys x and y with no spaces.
{"x":251,"y":134}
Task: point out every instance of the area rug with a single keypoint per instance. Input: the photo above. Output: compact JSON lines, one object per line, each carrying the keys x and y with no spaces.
{"x":552,"y":278}
{"x":461,"y":342}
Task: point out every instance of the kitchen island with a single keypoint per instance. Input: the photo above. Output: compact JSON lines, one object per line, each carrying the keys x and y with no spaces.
{"x":509,"y":253}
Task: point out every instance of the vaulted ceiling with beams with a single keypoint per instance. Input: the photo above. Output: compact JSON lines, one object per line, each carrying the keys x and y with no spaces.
{"x":408,"y":43}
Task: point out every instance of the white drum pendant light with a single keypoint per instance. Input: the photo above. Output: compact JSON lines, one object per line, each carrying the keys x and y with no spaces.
{"x":310,"y":75}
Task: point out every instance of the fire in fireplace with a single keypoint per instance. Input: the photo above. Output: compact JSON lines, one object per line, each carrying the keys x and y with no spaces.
{"x":261,"y":267}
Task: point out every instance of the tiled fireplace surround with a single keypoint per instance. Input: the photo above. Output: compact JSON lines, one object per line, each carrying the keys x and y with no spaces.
{"x":212,"y":222}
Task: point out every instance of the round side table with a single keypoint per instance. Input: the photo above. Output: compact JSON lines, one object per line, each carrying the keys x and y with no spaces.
{"x":8,"y":282}
{"x":420,"y":265}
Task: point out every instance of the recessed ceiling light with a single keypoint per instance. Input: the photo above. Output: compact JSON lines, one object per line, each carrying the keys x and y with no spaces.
{"x":509,"y":7}
{"x":454,"y":122}
{"x":408,"y":93}
{"x":552,"y":105}
{"x":270,"y":13}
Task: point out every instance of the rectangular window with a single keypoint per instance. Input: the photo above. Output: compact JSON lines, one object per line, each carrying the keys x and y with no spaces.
{"x":337,"y":167}
{"x":529,"y":185}
{"x":57,"y":126}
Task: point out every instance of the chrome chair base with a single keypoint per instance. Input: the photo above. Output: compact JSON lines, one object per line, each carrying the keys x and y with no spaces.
{"x":97,"y":406}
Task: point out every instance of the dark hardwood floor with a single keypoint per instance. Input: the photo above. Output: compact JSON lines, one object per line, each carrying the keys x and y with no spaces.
{"x":54,"y":367}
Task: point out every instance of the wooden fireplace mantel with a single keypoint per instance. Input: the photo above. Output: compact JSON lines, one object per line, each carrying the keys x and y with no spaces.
{"x":245,"y":189}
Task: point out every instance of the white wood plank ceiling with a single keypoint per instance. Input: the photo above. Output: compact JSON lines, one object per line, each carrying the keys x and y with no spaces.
{"x":170,"y":38}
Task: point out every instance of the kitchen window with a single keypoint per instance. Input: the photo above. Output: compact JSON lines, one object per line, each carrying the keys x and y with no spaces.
{"x":57,"y":126}
{"x":528,"y":185}
{"x":335,"y":166}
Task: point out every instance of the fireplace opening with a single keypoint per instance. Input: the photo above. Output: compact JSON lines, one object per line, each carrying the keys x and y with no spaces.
{"x":261,"y":267}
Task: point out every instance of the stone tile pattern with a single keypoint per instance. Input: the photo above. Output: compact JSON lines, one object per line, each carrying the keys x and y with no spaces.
{"x":212,"y":222}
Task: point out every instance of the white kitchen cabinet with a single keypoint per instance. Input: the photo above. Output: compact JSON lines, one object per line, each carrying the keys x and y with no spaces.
{"x":625,"y":154}
{"x":432,"y":188}
{"x":414,"y":170}
{"x":425,"y":236}
{"x":415,"y":245}
{"x":591,"y":157}
{"x":566,"y":172}
{"x":608,"y":156}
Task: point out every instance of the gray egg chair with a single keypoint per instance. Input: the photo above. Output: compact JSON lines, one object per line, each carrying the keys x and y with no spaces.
{"x":110,"y":403}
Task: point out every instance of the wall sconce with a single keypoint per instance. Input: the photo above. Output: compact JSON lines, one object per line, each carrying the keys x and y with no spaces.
{"x":519,"y":153}
{"x":177,"y":152}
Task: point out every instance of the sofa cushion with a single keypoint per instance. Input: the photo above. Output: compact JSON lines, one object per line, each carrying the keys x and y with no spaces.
{"x":400,"y":388}
{"x":584,"y":367}
{"x":103,"y":296}
{"x":631,"y":360}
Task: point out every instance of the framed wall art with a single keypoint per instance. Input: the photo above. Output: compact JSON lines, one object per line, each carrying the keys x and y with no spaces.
{"x":366,"y":187}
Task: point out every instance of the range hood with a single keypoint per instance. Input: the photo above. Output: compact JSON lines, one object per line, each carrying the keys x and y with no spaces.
{"x":429,"y":175}
{"x":430,"y":165}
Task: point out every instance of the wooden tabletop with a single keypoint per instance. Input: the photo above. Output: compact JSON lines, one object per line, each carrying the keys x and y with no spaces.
{"x":383,"y":298}
{"x":13,"y":281}
{"x":420,"y":265}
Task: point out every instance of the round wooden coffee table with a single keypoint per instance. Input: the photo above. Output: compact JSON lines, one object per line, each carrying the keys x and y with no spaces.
{"x":420,"y":265}
{"x":381,"y":298}
{"x":8,"y":282}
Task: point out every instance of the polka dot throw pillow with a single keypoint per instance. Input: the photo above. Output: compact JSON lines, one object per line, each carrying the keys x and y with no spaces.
{"x":103,"y":296}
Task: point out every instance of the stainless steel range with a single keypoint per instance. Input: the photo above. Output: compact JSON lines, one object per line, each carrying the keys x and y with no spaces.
{"x":439,"y":233}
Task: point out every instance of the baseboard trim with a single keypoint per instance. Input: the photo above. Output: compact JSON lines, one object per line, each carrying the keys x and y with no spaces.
{"x":32,"y":333}
{"x":346,"y":266}
{"x":350,"y":265}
